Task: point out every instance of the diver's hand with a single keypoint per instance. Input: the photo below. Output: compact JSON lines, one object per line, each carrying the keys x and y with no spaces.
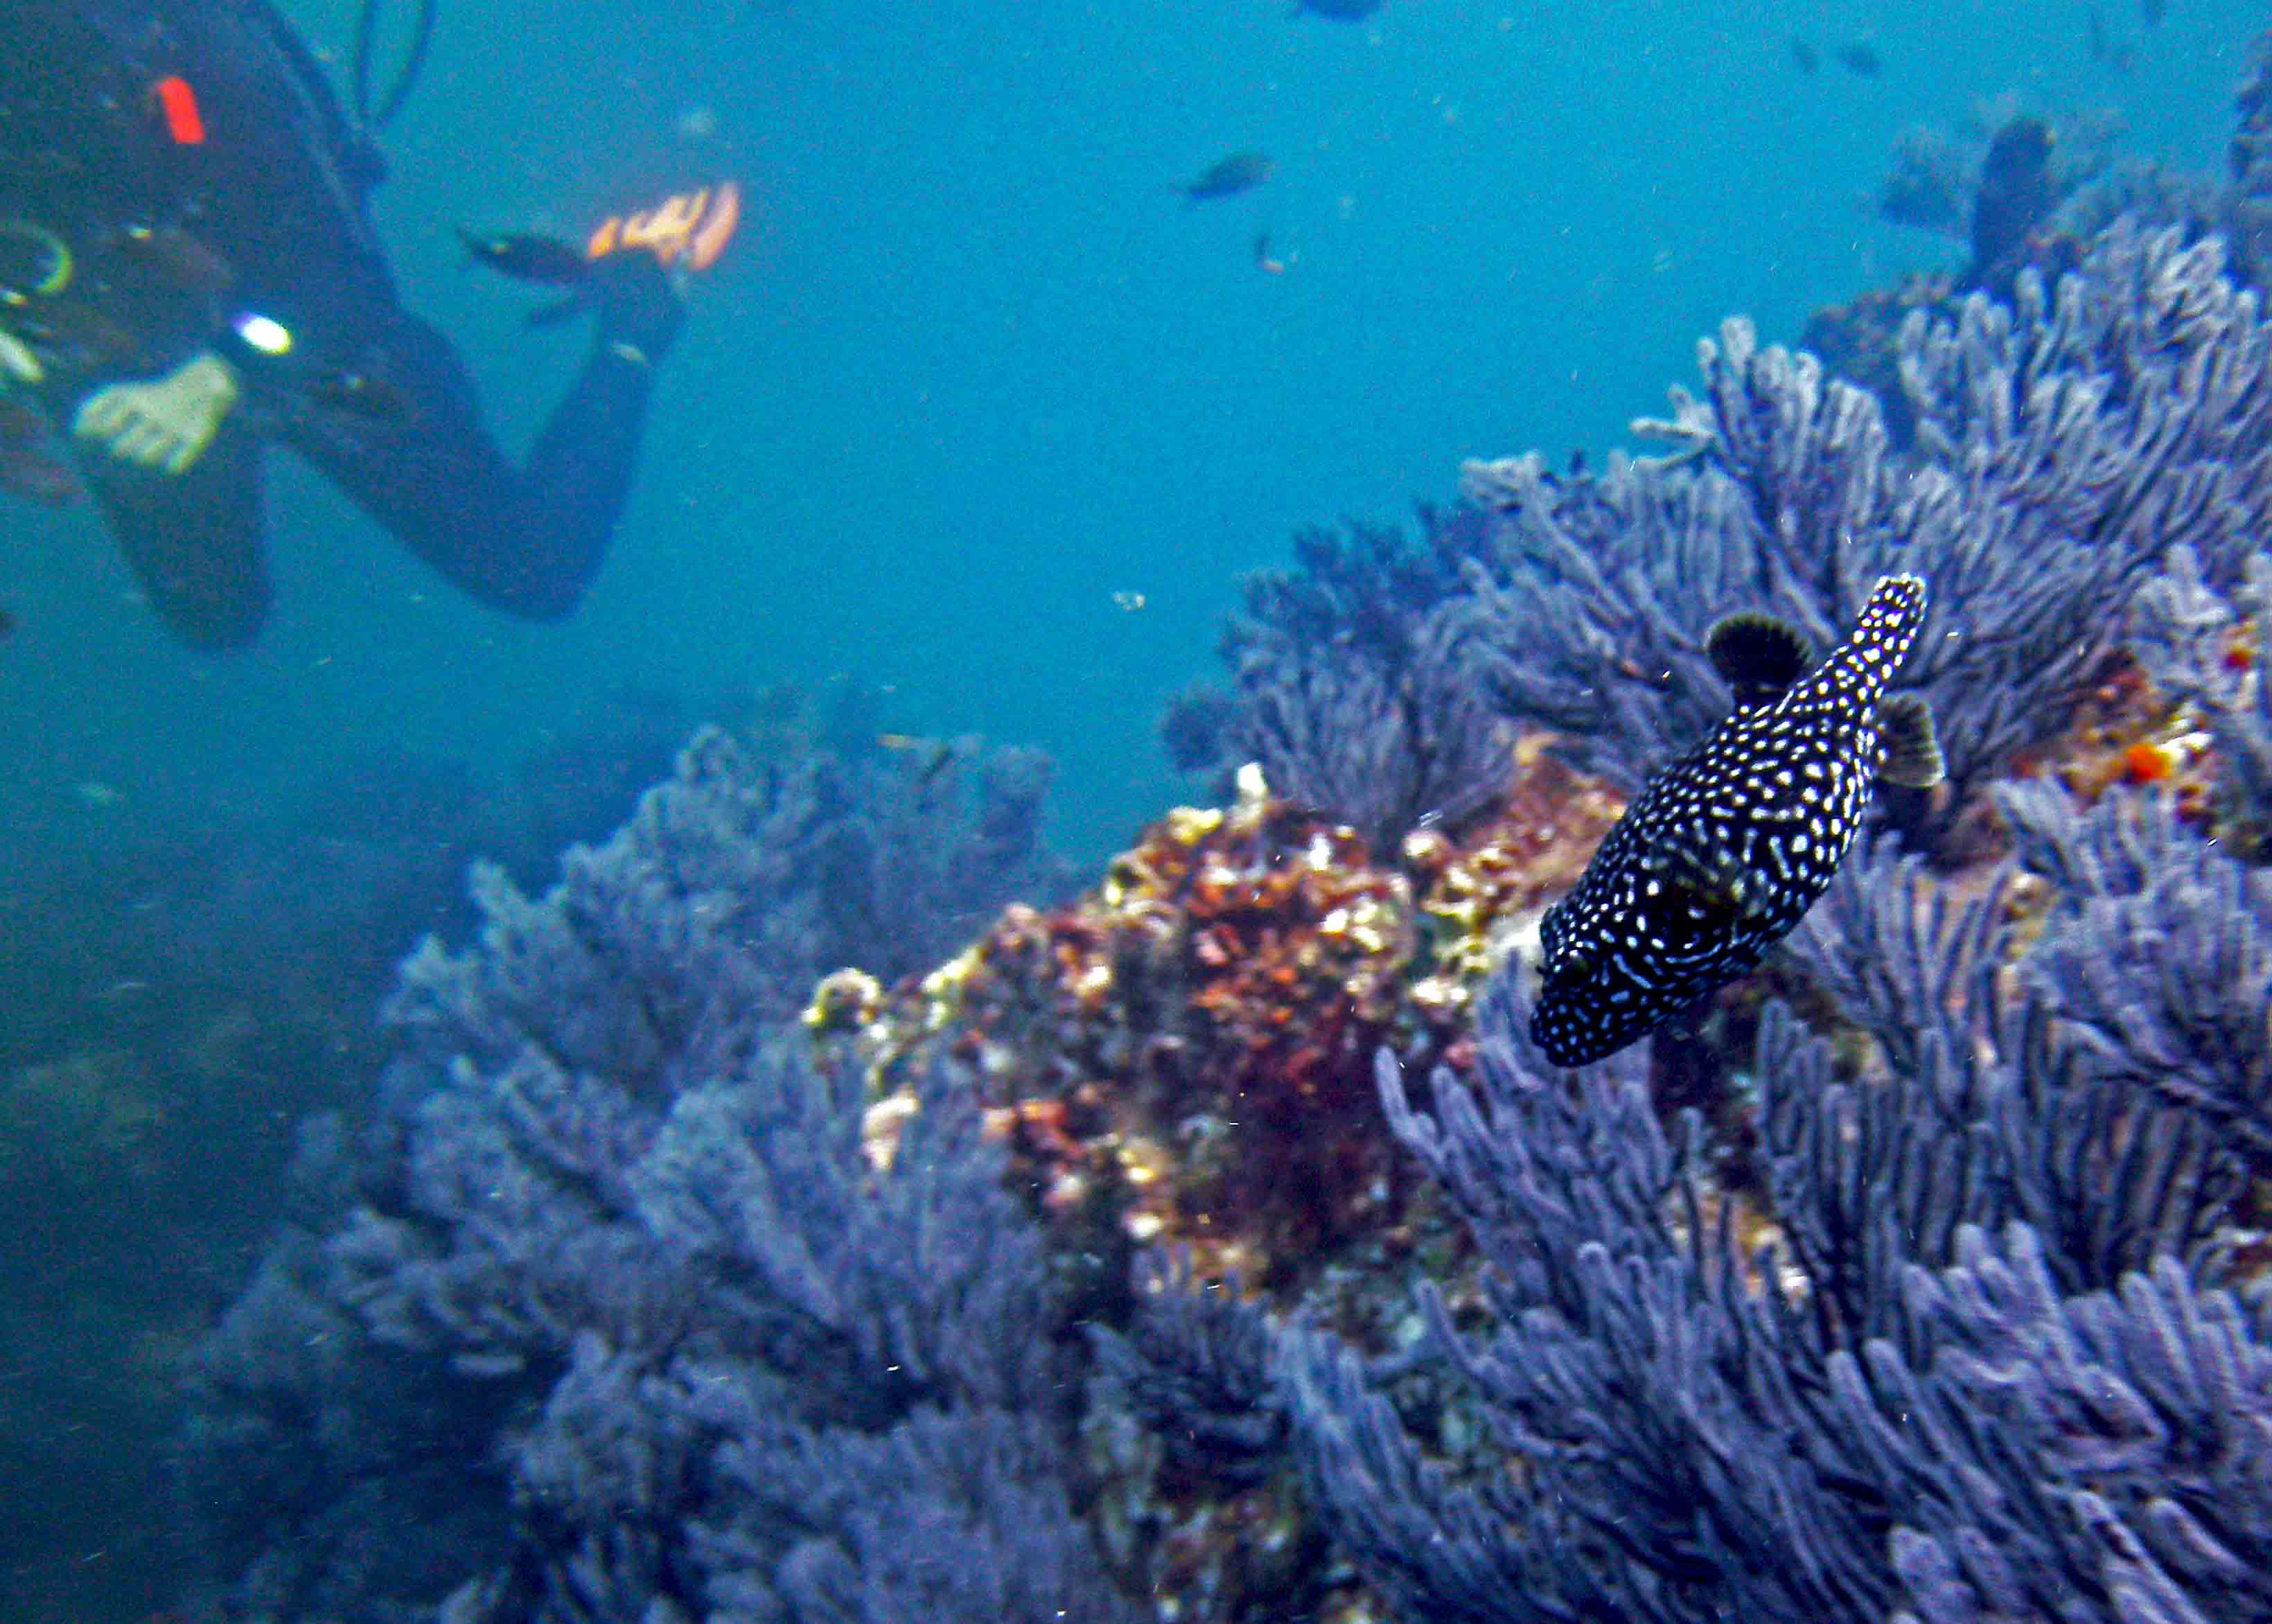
{"x":18,"y":363}
{"x":166,"y":424}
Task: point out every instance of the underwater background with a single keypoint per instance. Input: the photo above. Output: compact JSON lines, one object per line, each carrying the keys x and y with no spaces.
{"x":974,"y":368}
{"x":979,"y":420}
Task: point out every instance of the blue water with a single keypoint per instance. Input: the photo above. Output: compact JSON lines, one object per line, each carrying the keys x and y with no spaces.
{"x":974,"y":373}
{"x":974,"y":369}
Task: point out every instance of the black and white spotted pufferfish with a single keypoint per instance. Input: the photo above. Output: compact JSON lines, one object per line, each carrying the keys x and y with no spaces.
{"x":1722,"y":852}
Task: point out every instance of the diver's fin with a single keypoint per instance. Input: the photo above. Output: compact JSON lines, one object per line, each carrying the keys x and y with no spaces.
{"x":688,"y":231}
{"x":1759,"y":655}
{"x":1908,"y":752}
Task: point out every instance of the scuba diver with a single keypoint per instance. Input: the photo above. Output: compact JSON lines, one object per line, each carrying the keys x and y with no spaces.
{"x":188,"y":272}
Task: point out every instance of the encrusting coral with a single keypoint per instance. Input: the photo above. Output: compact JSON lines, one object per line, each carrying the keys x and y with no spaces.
{"x":1184,"y":1053}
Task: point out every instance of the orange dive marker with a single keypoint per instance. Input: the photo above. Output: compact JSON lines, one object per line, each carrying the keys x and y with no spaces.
{"x":179,"y":103}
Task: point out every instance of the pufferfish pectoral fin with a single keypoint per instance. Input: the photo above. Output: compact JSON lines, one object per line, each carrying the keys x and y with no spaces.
{"x":1908,"y":753}
{"x":1703,"y":893}
{"x":1757,"y":655}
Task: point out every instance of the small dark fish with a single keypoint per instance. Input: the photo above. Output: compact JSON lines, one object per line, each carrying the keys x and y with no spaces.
{"x":2153,"y":11}
{"x":7,"y":624}
{"x":528,"y":257}
{"x":1804,"y":57}
{"x":1264,"y":261}
{"x":1722,"y":852}
{"x":1338,"y":11}
{"x":1227,"y":177}
{"x":1860,"y":58}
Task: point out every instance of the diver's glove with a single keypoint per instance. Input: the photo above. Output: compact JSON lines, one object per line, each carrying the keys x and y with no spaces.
{"x":639,"y":308}
{"x":164,"y":424}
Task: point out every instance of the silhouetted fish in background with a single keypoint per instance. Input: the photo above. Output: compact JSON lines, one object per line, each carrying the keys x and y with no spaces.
{"x":2153,"y":11}
{"x":1722,"y":852}
{"x":1227,"y":177}
{"x":1340,"y":11}
{"x":1860,"y":58}
{"x":1804,"y":57}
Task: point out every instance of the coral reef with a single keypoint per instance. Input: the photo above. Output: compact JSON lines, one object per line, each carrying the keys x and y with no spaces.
{"x":1205,"y":1512}
{"x":1958,"y":1312}
{"x":662,"y":1257}
{"x":182,"y":990}
{"x":651,"y":1321}
{"x":2249,"y":215}
{"x":2055,"y":448}
{"x":623,"y":1245}
{"x":1911,"y":1400}
{"x":1059,"y":1253}
{"x":2018,"y":188}
{"x":1210,"y":1012}
{"x":2206,"y":654}
{"x":1345,"y":688}
{"x":2158,"y":955}
{"x":2065,"y":445}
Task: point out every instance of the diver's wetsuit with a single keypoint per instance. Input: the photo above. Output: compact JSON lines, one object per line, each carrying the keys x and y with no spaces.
{"x":268,"y":215}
